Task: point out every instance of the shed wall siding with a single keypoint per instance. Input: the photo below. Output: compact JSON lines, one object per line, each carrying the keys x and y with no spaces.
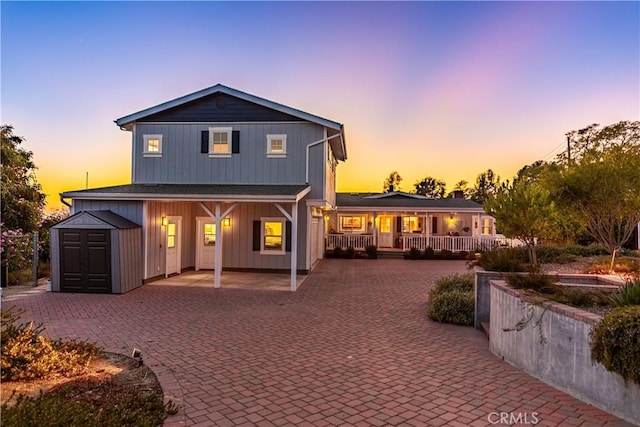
{"x":182,"y":161}
{"x":116,"y":267}
{"x":132,"y":210}
{"x":130,"y":263}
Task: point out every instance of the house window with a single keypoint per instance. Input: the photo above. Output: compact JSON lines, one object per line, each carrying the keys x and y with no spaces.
{"x":276,"y":146}
{"x":152,"y":146}
{"x":210,"y":234}
{"x":486,"y":226}
{"x":219,"y":142}
{"x":171,"y":235}
{"x":411,"y":224}
{"x":353,"y":223}
{"x":273,"y":236}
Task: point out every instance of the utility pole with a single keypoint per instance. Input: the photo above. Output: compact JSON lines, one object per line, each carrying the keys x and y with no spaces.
{"x":86,"y":181}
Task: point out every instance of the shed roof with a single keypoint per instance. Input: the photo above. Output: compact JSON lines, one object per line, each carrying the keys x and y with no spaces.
{"x":95,"y":219}
{"x":187,"y":192}
{"x":402,"y":200}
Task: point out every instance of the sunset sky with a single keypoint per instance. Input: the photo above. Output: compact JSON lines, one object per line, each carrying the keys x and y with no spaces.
{"x":446,"y":89}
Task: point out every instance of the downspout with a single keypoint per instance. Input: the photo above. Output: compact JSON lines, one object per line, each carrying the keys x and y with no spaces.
{"x":316,"y":143}
{"x":64,"y":202}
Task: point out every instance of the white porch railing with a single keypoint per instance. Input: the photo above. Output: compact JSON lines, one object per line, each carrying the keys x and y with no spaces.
{"x":456,"y":243}
{"x":355,"y":241}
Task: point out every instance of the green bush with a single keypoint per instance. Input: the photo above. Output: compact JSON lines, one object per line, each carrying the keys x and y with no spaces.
{"x":338,"y":252}
{"x":27,"y":355}
{"x":580,"y":297}
{"x":414,"y":253}
{"x":446,"y":254}
{"x":533,"y":281}
{"x":350,"y":253}
{"x":504,"y":260}
{"x":428,"y":253}
{"x":585,"y":251}
{"x":455,"y":307}
{"x":372,"y":251}
{"x":629,"y":294}
{"x":463,"y":255}
{"x":61,"y":409}
{"x":615,"y":342}
{"x":454,"y":282}
{"x":621,"y":265}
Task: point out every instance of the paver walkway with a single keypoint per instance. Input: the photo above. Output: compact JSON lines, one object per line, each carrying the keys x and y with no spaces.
{"x":352,"y":346}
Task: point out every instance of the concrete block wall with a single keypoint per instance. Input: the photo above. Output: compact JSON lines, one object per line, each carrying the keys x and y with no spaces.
{"x":554,"y":346}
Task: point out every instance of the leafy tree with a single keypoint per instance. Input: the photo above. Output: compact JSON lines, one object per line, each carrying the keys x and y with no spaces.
{"x":22,"y":198}
{"x":487,"y":184}
{"x":523,"y":210}
{"x":392,"y":182}
{"x":601,"y":188}
{"x":430,"y":187}
{"x":593,"y":139}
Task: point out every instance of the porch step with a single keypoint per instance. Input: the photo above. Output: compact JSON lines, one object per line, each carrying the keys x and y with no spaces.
{"x":485,"y":328}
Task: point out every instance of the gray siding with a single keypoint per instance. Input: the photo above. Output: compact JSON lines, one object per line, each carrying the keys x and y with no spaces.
{"x":316,"y":171}
{"x":129,"y":264}
{"x":155,"y":236}
{"x":54,"y":249}
{"x":182,"y":161}
{"x":132,"y":210}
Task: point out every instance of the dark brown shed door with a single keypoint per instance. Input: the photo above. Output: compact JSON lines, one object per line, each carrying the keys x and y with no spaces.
{"x":85,"y":261}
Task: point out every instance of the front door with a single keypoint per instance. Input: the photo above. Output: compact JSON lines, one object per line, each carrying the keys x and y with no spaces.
{"x":385,"y":231}
{"x":174,"y":229}
{"x":206,"y":241}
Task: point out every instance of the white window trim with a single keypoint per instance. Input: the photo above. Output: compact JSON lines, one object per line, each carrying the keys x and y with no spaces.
{"x":277,"y":155}
{"x":264,"y":251}
{"x":226,"y":130}
{"x":147,"y":153}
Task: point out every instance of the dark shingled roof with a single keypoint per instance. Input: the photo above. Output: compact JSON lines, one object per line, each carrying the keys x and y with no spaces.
{"x":398,"y":201}
{"x":108,"y":217}
{"x":187,"y":190}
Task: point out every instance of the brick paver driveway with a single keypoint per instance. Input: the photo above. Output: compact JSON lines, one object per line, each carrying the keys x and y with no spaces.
{"x":352,"y":347}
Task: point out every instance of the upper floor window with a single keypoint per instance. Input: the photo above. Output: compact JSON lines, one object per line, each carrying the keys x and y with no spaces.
{"x":219,"y":142}
{"x":276,"y":146}
{"x":152,"y":146}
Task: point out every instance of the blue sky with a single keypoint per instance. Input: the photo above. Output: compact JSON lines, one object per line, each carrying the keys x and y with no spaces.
{"x":446,"y":89}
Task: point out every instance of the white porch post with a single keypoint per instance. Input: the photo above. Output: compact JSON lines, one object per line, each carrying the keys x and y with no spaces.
{"x":375,"y":229}
{"x":217,"y":263}
{"x":294,"y":245}
{"x":217,"y":217}
{"x":294,"y":240}
{"x":427,"y":225}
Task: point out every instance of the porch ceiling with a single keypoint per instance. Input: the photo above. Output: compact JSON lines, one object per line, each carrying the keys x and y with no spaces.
{"x":196,"y":192}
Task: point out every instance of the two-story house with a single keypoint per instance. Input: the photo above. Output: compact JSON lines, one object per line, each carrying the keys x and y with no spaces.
{"x":221,"y":179}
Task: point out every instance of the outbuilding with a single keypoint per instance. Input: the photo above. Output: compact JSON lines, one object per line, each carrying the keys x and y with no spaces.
{"x":96,"y":252}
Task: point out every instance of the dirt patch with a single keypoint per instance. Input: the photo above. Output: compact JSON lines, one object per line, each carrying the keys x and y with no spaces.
{"x":108,"y":377}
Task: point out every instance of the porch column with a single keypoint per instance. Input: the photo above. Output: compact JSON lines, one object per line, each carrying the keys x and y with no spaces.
{"x":375,"y":229}
{"x":217,"y":262}
{"x":427,"y":225}
{"x":294,"y":240}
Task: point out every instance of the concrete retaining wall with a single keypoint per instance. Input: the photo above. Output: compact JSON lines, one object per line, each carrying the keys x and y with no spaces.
{"x":550,"y":341}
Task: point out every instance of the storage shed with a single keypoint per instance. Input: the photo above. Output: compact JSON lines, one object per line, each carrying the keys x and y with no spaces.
{"x":96,"y":252}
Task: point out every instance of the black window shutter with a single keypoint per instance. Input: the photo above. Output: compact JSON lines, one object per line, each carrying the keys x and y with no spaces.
{"x":235,"y":141}
{"x":204,"y":141}
{"x":256,"y":235}
{"x":398,"y":224}
{"x":434,"y":225}
{"x":288,"y":236}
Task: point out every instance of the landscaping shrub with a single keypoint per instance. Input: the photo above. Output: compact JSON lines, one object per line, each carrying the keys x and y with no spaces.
{"x":579,"y":297}
{"x":533,"y":281}
{"x":455,"y":282}
{"x":622,"y":265}
{"x":338,"y":252}
{"x":414,"y":253}
{"x":585,"y":251}
{"x":615,"y":342}
{"x":455,"y":307}
{"x":61,"y":409}
{"x":372,"y":251}
{"x":463,"y":255}
{"x":452,"y":300}
{"x":26,"y":354}
{"x":553,"y":254}
{"x":629,"y":294}
{"x":428,"y":253}
{"x":504,"y":260}
{"x":446,"y":254}
{"x":350,"y":253}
